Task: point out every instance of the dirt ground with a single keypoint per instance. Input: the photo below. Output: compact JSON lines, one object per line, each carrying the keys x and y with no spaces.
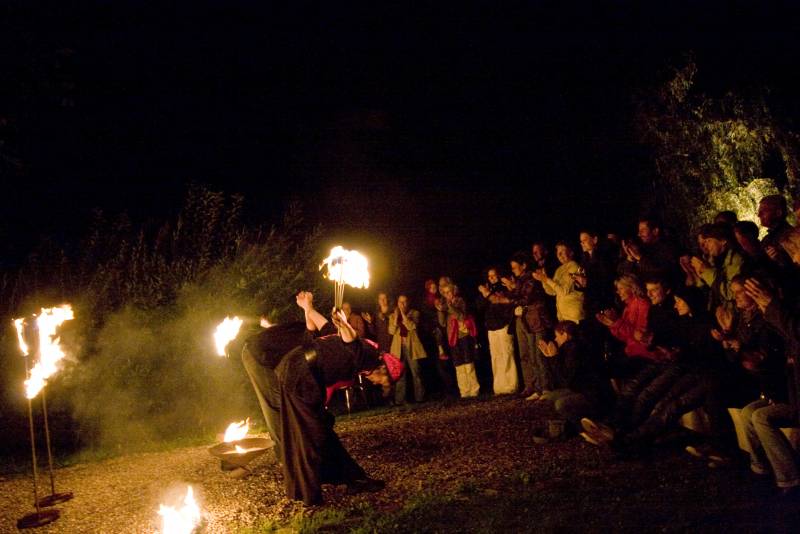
{"x":480,"y":453}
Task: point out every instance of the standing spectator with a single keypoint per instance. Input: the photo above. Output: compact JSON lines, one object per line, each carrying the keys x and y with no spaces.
{"x":772,"y":215}
{"x":461,"y":335}
{"x":378,"y":325}
{"x":597,"y":277}
{"x":498,"y":317}
{"x":532,"y":323}
{"x":569,"y":301}
{"x":656,"y":257}
{"x":407,"y":346}
{"x":355,"y":320}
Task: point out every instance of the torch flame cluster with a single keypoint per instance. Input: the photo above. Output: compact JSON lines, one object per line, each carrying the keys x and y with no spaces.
{"x":226,"y":332}
{"x":183,"y":520}
{"x":345,"y":267}
{"x":50,"y":352}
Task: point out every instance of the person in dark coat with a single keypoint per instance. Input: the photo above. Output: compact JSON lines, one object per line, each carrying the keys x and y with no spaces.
{"x":293,"y":366}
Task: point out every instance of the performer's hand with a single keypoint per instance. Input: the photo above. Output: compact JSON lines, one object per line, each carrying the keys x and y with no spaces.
{"x":305,"y":299}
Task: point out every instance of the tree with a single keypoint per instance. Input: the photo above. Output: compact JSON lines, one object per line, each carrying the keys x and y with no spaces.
{"x":710,"y":154}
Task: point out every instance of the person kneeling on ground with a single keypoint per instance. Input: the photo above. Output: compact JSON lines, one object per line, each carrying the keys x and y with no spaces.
{"x":578,"y":380}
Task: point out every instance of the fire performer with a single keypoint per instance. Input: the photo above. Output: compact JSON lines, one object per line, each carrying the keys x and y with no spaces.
{"x":290,"y":365}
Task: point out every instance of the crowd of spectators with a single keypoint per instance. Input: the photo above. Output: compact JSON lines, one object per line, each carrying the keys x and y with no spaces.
{"x":622,"y":337}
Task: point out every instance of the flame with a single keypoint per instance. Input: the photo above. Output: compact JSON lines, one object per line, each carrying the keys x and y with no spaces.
{"x":347,"y":266}
{"x":240,"y":450}
{"x":20,"y":326}
{"x":236,"y":431}
{"x":50,"y":352}
{"x":182,"y":521}
{"x":226,"y":332}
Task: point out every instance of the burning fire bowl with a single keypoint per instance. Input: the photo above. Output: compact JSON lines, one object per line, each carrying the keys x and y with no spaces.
{"x":253,"y":448}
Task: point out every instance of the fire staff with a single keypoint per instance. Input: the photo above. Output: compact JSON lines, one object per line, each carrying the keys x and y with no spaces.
{"x":290,"y":366}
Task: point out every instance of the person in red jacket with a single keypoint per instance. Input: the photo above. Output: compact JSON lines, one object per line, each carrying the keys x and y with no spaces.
{"x":461,"y":336}
{"x":631,"y":327}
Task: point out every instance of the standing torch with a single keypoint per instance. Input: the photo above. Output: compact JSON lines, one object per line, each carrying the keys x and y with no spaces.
{"x":39,"y":517}
{"x":345,"y":267}
{"x":50,"y":352}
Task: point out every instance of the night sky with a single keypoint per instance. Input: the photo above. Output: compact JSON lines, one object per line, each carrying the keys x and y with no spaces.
{"x":436,"y":139}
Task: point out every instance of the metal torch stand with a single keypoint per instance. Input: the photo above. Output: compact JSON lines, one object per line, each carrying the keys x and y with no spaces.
{"x":39,"y":517}
{"x":54,"y":498}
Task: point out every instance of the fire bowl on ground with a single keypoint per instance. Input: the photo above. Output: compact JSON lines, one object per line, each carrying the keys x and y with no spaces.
{"x":249,"y":450}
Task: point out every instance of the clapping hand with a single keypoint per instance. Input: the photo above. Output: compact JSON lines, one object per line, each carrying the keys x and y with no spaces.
{"x":367,"y":317}
{"x":305,"y":299}
{"x":758,"y":293}
{"x":548,"y":349}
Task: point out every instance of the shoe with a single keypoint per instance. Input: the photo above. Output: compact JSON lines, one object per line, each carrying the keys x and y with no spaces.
{"x":599,"y":432}
{"x":362,"y":485}
{"x":696,"y":451}
{"x":535,"y":396}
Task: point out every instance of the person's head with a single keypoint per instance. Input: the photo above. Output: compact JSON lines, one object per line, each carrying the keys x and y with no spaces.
{"x":649,"y":230}
{"x":431,"y":286}
{"x":688,"y":301}
{"x":380,"y":377}
{"x":772,"y":211}
{"x":717,"y":239}
{"x":588,"y":239}
{"x":657,"y":291}
{"x":449,"y":292}
{"x":627,"y":287}
{"x":347,"y":309}
{"x":564,"y":252}
{"x":519,"y":263}
{"x":740,"y":296}
{"x":539,"y":251}
{"x":564,"y":331}
{"x":746,"y":234}
{"x":383,"y":300}
{"x":728,"y":217}
{"x":444,"y":281}
{"x":492,"y":276}
{"x":402,"y":303}
{"x":790,"y":241}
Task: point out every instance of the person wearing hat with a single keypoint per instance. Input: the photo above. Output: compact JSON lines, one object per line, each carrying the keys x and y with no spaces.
{"x":290,"y":365}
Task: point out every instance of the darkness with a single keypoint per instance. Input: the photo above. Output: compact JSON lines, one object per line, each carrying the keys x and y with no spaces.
{"x":437,"y":139}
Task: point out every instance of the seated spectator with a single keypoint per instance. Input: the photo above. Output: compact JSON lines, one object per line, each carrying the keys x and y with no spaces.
{"x":630,"y":327}
{"x":579,"y":383}
{"x":407,"y":346}
{"x":462,"y":334}
{"x":498,"y":318}
{"x":569,"y":301}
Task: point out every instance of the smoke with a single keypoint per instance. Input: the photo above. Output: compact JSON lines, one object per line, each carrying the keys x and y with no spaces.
{"x":153,"y":375}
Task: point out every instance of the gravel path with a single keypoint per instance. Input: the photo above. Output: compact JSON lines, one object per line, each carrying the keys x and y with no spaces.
{"x":412,"y":449}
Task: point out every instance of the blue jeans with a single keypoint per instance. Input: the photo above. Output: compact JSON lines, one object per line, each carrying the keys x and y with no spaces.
{"x":770,"y":447}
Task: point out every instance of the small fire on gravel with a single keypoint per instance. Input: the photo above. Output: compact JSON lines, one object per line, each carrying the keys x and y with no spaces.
{"x":181,"y":520}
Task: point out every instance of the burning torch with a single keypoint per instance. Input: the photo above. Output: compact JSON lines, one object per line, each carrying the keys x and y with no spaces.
{"x":345,"y":267}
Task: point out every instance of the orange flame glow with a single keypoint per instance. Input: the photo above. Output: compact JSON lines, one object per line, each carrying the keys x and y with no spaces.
{"x":226,"y":332}
{"x":183,"y":520}
{"x":345,"y":267}
{"x":236,"y":431}
{"x":19,"y":324}
{"x":50,"y":352}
